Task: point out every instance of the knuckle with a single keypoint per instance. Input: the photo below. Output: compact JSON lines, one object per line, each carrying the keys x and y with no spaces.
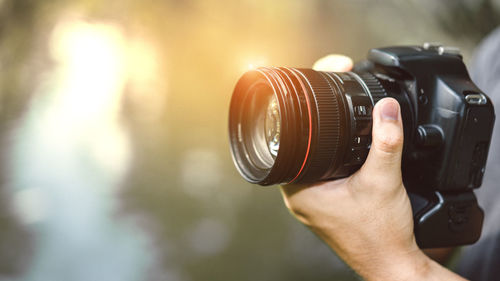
{"x":389,"y":142}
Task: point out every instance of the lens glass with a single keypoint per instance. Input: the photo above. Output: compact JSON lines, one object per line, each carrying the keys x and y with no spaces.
{"x":261,"y":126}
{"x":272,"y":126}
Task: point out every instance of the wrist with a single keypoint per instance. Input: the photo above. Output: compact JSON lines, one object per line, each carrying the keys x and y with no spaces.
{"x":409,"y":265}
{"x":413,"y":265}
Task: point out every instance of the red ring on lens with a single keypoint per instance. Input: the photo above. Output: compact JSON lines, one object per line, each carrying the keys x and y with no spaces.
{"x":310,"y":123}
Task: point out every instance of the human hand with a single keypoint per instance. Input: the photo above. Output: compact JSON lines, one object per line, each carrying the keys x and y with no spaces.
{"x":367,"y":218}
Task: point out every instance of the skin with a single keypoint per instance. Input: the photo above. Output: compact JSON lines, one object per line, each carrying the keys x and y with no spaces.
{"x":366,"y":218}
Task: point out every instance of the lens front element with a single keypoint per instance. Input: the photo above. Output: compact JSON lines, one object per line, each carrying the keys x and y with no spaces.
{"x":260,"y":124}
{"x":272,"y":127}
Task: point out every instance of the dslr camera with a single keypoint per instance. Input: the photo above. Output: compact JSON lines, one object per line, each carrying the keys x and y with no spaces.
{"x":297,"y":126}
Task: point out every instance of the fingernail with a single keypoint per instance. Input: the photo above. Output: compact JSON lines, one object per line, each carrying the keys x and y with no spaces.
{"x":389,"y":110}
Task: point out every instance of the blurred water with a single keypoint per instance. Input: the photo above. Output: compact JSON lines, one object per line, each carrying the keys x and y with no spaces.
{"x":68,"y":161}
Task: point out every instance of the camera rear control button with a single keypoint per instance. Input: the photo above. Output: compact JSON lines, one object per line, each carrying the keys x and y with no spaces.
{"x":361,"y":141}
{"x":362,"y":110}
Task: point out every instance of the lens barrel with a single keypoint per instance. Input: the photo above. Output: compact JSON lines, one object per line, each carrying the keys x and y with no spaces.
{"x":319,"y":123}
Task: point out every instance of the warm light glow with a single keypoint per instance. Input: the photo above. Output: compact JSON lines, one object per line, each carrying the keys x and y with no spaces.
{"x":92,"y":61}
{"x":251,"y":63}
{"x":91,"y":75}
{"x":146,"y":80}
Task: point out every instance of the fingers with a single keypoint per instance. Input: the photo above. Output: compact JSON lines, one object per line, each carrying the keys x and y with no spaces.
{"x":383,"y":163}
{"x":336,"y":63}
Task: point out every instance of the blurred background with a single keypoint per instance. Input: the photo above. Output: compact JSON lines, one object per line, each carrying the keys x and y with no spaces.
{"x":115,"y":162}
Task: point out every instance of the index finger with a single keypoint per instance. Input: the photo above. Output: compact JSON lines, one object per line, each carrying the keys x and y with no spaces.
{"x":333,"y":62}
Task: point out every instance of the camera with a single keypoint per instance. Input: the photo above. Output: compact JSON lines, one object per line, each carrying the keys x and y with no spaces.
{"x":298,"y":126}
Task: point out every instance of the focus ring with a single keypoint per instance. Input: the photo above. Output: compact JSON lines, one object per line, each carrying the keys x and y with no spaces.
{"x":327,"y":131}
{"x":376,"y":89}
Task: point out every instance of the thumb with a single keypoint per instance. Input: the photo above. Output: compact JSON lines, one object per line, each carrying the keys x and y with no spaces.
{"x":383,"y":163}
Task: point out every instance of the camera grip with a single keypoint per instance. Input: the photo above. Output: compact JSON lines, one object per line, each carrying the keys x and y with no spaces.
{"x":446,"y":219}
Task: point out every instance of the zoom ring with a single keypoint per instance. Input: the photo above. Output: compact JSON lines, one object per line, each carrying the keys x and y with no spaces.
{"x":376,"y":89}
{"x":328,"y":128}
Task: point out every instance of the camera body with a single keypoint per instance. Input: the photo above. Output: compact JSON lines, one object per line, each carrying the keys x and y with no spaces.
{"x":298,"y":126}
{"x":448,"y":123}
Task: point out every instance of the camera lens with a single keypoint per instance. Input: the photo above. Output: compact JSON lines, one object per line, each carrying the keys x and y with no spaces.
{"x":260,"y":126}
{"x":289,"y":125}
{"x":272,"y":127}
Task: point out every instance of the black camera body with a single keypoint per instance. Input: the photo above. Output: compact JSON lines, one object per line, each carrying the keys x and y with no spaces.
{"x":449,"y":126}
{"x":295,"y":126}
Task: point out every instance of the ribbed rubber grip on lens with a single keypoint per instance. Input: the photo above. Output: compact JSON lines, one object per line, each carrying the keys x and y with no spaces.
{"x":327,"y":133}
{"x":377,"y":91}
